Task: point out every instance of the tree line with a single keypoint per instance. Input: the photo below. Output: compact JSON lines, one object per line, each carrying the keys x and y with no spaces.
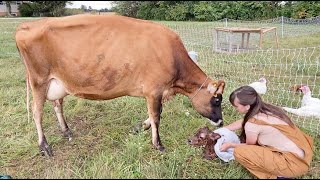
{"x":186,"y":10}
{"x":42,"y":8}
{"x":216,"y":10}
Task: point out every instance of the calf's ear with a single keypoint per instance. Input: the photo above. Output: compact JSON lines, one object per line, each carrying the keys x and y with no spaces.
{"x":214,"y":136}
{"x":202,"y":135}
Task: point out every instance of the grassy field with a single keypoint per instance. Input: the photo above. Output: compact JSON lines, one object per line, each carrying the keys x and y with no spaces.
{"x":103,"y":145}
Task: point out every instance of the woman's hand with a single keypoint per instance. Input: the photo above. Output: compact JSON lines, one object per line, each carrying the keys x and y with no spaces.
{"x":225,"y":146}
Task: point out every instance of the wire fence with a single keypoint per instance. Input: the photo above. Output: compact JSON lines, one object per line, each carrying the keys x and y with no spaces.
{"x":282,"y":67}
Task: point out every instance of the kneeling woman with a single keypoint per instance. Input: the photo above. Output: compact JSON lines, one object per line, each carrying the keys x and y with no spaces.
{"x":272,"y":145}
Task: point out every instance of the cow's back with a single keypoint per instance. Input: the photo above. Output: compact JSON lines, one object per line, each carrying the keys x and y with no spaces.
{"x":101,"y":57}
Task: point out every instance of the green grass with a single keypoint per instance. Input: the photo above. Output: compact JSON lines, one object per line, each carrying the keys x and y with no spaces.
{"x":103,"y":145}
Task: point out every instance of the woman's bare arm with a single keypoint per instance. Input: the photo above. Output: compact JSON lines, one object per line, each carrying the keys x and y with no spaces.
{"x":235,"y":125}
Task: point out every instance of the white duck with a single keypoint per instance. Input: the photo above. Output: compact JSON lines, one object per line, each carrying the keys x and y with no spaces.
{"x":310,"y":106}
{"x":260,"y":86}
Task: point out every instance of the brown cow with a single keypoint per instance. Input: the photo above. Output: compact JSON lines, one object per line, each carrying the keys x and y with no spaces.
{"x":105,"y":57}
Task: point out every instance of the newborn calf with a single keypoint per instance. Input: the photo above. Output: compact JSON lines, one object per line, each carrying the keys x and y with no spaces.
{"x":207,"y":139}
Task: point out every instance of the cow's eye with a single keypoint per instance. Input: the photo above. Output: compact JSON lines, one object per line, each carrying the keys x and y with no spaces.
{"x":216,"y":101}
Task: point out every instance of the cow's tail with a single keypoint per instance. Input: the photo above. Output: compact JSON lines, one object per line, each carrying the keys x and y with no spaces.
{"x":28,"y":96}
{"x":27,"y":84}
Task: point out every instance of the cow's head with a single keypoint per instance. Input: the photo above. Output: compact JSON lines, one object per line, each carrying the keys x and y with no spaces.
{"x":207,"y":101}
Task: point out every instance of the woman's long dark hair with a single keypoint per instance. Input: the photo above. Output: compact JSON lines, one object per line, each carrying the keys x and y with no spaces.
{"x":248,"y":96}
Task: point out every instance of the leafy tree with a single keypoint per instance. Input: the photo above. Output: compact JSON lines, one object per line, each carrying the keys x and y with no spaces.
{"x":177,"y":13}
{"x":147,"y":10}
{"x":203,"y":11}
{"x":286,"y":8}
{"x":305,"y":9}
{"x":104,"y":10}
{"x":25,"y":9}
{"x":216,"y":10}
{"x":49,"y":8}
{"x":126,"y":8}
{"x":83,"y":7}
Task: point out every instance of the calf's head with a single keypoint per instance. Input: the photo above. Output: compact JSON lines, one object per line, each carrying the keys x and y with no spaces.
{"x":206,"y":138}
{"x":208,"y":101}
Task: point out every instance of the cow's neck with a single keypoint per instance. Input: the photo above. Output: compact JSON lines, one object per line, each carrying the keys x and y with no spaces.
{"x":191,"y":80}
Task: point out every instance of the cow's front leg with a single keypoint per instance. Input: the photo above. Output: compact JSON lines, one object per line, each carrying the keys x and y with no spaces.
{"x":154,"y":111}
{"x":57,"y":106}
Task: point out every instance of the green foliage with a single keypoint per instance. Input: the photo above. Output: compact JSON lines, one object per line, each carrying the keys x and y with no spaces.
{"x":146,"y":10}
{"x":177,"y":13}
{"x":305,"y":9}
{"x":216,"y":10}
{"x":204,"y":11}
{"x":126,"y":8}
{"x":49,"y":8}
{"x":188,"y":10}
{"x":26,"y":10}
{"x":43,"y":8}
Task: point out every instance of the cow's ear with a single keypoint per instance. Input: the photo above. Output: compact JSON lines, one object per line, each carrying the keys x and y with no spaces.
{"x":212,"y":88}
{"x":221,"y":88}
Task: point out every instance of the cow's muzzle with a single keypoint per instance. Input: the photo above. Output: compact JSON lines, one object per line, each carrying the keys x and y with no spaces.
{"x":219,"y":123}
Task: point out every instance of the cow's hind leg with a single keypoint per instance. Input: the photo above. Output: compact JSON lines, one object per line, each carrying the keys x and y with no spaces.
{"x":154,"y":111}
{"x":58,"y":108}
{"x":38,"y":103}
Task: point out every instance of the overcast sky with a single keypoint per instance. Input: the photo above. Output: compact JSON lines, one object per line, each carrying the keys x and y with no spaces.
{"x":94,"y":4}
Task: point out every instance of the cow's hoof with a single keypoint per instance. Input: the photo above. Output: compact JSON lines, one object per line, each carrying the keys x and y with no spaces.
{"x":46,"y":151}
{"x":162,"y":149}
{"x":146,"y":126}
{"x":137,"y":128}
{"x":68,"y":134}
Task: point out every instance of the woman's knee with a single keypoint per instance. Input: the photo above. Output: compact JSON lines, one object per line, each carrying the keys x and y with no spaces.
{"x":239,"y":152}
{"x":245,"y":152}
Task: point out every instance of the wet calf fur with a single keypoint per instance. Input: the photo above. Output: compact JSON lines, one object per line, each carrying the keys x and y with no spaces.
{"x":207,"y":139}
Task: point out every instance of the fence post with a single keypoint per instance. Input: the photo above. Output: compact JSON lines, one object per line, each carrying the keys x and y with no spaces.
{"x":281,"y":26}
{"x":226,"y":22}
